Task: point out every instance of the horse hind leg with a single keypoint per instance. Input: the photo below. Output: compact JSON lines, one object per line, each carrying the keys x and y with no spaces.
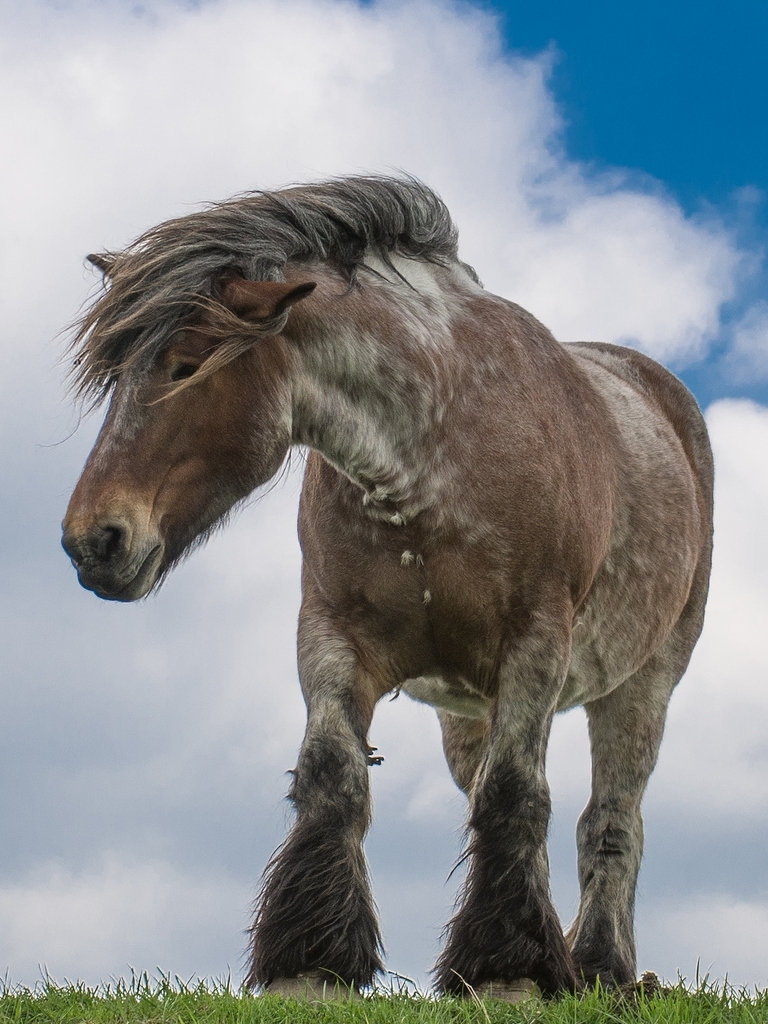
{"x":465,"y":742}
{"x":625,"y":729}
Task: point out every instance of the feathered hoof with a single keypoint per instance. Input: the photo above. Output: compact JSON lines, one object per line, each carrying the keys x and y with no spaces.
{"x":517,"y":991}
{"x":312,"y":988}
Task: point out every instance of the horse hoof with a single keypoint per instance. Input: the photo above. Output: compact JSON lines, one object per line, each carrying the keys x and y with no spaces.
{"x":312,"y":988}
{"x":509,"y":991}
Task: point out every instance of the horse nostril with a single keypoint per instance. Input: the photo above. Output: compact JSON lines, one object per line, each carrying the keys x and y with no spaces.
{"x":108,"y":542}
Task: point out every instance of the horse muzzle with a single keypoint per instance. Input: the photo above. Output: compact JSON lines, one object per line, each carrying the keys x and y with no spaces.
{"x":115,"y":561}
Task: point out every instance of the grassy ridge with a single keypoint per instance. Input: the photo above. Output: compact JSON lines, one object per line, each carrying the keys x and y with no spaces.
{"x":144,"y":1002}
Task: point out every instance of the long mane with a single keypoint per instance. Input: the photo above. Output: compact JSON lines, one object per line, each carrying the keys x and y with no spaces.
{"x":166,"y":278}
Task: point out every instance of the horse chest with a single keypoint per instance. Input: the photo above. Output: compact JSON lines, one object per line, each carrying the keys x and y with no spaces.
{"x":431,"y":628}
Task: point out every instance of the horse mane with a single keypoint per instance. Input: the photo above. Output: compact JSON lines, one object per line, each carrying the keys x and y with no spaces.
{"x":168,"y":276}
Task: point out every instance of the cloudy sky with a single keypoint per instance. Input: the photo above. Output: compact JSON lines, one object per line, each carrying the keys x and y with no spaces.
{"x":608,"y":172}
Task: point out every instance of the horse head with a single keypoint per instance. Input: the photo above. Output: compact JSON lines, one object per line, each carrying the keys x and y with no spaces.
{"x":191,"y":429}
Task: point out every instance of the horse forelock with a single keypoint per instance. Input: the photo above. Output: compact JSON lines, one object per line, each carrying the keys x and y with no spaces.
{"x":166,"y":278}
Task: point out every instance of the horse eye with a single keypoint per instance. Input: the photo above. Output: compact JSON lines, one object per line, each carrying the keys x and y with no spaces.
{"x":183,"y":370}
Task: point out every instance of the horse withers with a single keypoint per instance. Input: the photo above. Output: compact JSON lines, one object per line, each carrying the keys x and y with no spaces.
{"x":496,"y":524}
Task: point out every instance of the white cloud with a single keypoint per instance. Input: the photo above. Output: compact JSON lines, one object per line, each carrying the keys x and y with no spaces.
{"x":715,"y":756}
{"x":747,"y":359}
{"x":119,"y":120}
{"x":99,"y":924}
{"x":731,"y":937}
{"x":627,"y":268}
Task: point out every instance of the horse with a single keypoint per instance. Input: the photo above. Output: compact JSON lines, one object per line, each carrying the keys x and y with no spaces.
{"x":496,"y":524}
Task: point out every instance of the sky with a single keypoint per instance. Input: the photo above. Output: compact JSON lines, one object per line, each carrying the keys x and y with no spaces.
{"x":608,"y":172}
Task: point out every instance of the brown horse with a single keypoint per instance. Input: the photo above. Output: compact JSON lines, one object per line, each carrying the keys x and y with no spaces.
{"x":497,"y":524}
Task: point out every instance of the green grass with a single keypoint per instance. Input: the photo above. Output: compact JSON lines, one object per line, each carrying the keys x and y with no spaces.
{"x":143,"y":1001}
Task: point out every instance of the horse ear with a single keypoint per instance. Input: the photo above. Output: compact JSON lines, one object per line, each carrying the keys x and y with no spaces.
{"x":103,"y":261}
{"x":261,"y":300}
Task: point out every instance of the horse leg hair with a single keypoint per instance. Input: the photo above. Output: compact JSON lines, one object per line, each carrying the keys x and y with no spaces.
{"x":315,"y":913}
{"x":506,"y":927}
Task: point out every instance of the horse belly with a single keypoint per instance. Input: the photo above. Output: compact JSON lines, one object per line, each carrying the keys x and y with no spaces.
{"x":456,"y":696}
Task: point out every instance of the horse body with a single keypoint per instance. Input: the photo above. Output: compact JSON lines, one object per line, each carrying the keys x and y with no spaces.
{"x":604,"y":499}
{"x":496,"y":524}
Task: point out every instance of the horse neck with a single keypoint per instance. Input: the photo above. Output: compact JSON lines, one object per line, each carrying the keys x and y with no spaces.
{"x":373,"y":386}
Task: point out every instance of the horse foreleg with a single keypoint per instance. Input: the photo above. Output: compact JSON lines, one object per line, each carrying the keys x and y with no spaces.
{"x":315,"y":915}
{"x":625,"y":730}
{"x":506,"y":928}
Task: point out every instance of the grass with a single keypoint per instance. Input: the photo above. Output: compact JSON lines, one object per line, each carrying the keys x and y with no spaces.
{"x":143,"y":1001}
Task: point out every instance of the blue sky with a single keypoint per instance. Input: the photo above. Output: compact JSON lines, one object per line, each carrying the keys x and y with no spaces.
{"x":677,"y":91}
{"x":606,"y":165}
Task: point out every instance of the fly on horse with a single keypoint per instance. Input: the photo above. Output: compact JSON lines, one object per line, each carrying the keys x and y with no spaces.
{"x":499,"y":525}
